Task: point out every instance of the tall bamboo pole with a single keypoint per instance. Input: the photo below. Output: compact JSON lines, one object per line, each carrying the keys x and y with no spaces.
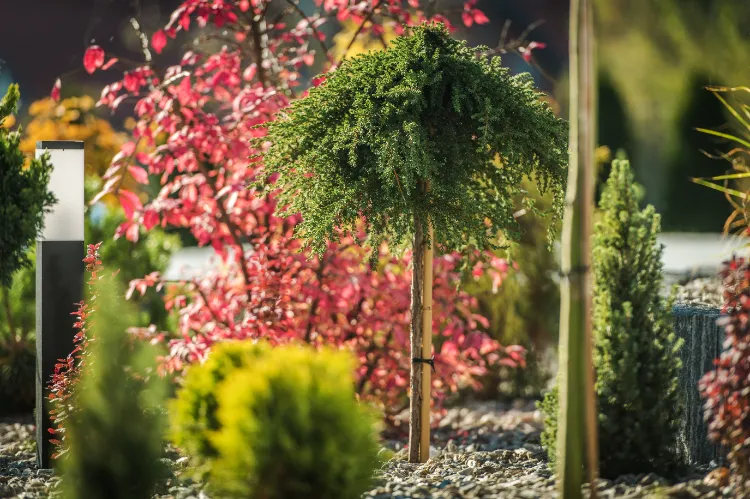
{"x":577,"y":429}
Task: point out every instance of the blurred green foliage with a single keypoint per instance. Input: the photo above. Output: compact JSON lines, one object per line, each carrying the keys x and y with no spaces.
{"x":525,"y":308}
{"x":290,"y":426}
{"x":24,"y":193}
{"x":654,"y":54}
{"x":24,"y":199}
{"x":115,"y":436}
{"x":18,"y":302}
{"x":193,"y":417}
{"x":690,"y":206}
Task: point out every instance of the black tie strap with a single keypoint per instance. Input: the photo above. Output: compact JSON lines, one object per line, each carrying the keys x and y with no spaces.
{"x":579,"y":269}
{"x":430,"y":361}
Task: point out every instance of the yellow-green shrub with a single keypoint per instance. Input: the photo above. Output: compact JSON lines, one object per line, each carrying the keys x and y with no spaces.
{"x":290,"y":426}
{"x":193,"y":412}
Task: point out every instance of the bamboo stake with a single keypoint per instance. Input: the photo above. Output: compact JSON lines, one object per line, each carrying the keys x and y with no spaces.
{"x":577,"y":430}
{"x":588,"y":160}
{"x":424,"y":445}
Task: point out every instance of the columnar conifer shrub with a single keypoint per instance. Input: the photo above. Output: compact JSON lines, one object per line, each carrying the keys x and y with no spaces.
{"x":635,"y":354}
{"x":727,"y":388}
{"x":193,"y":415}
{"x":115,"y":433}
{"x":290,"y":426}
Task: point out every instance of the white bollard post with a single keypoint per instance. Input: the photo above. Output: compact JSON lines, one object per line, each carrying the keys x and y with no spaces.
{"x":59,"y":276}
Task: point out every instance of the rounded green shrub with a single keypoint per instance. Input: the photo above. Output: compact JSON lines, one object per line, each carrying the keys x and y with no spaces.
{"x":193,"y":411}
{"x":290,"y":426}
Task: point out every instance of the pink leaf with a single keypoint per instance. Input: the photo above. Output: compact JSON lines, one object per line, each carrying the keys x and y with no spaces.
{"x":139,"y":174}
{"x":150,"y":219}
{"x":249,"y":73}
{"x":132,"y":233}
{"x":159,"y":41}
{"x":130,"y":202}
{"x":183,"y":92}
{"x":55,"y":93}
{"x":128,"y":148}
{"x":185,"y":22}
{"x":479,"y":17}
{"x":93,"y":58}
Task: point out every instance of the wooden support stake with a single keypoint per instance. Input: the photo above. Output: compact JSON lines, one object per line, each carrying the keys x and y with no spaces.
{"x":424,"y":446}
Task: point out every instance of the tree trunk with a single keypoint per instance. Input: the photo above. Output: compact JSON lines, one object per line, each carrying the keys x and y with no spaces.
{"x":415,"y":381}
{"x":577,"y":443}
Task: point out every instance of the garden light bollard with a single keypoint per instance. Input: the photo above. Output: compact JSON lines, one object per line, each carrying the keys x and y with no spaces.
{"x":59,"y":276}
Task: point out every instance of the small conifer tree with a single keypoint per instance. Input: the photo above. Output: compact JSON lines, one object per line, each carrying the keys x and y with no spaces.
{"x":635,"y":354}
{"x":115,"y":435}
{"x":406,"y":141}
{"x":24,"y":195}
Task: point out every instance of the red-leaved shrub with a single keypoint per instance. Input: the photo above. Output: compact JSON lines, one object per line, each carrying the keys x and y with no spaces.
{"x":194,"y":125}
{"x":727,"y":388}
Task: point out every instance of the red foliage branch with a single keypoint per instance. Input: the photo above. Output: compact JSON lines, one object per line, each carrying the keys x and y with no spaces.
{"x":68,"y":370}
{"x":194,"y":122}
{"x":726,"y":389}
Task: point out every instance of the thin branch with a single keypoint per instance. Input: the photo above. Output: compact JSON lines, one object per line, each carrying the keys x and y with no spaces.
{"x":231,"y":227}
{"x":361,"y":27}
{"x":258,"y":51}
{"x":318,"y":35}
{"x":209,"y":307}
{"x":531,"y":27}
{"x":144,"y":39}
{"x":315,"y":303}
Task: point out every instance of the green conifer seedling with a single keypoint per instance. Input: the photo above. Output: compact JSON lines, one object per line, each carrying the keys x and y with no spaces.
{"x":405,"y":141}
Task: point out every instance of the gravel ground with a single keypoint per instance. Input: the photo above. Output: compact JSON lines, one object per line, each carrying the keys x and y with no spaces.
{"x":481,"y":451}
{"x":702,"y":291}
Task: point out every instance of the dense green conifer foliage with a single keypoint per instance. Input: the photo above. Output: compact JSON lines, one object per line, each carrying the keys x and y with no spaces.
{"x":635,"y":354}
{"x":24,"y":195}
{"x":428,"y":109}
